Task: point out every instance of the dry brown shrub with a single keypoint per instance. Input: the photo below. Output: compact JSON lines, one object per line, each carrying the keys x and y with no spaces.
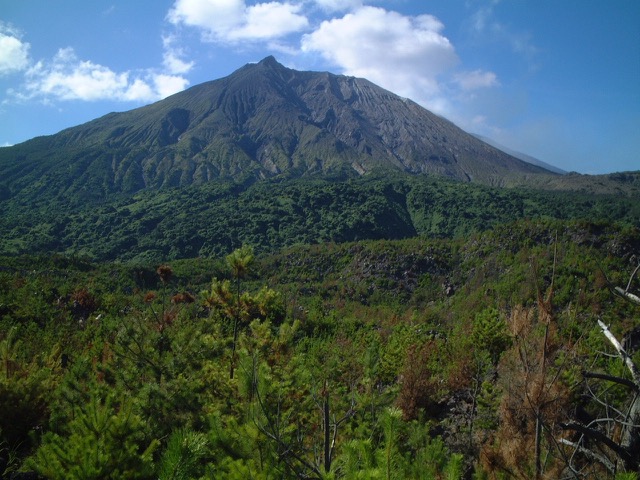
{"x":529,"y":379}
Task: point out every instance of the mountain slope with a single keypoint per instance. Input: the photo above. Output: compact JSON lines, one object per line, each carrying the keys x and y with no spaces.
{"x":261,"y":121}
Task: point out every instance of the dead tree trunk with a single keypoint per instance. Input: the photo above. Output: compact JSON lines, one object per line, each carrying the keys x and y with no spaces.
{"x":626,"y":447}
{"x":629,"y":439}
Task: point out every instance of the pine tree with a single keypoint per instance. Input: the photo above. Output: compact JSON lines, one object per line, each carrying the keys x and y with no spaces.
{"x":181,"y":459}
{"x":104,"y":440}
{"x":239,"y":261}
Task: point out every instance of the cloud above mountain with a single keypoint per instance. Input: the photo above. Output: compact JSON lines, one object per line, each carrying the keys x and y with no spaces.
{"x":401,"y":53}
{"x":14,"y":53}
{"x":234,"y":21}
{"x":66,"y":77}
{"x":410,"y":55}
{"x":338,"y":5}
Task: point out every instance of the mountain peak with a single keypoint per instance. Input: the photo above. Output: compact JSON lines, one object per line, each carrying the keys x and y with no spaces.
{"x":270,"y":61}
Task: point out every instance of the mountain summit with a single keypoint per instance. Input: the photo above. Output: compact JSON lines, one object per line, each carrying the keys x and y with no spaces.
{"x":261,"y":121}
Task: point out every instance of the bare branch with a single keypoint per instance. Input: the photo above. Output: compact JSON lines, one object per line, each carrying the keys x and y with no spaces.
{"x":599,"y":437}
{"x":624,"y":293}
{"x":633,"y":274}
{"x":621,"y":352}
{"x":591,"y":454}
{"x":607,"y":406}
{"x":611,"y":378}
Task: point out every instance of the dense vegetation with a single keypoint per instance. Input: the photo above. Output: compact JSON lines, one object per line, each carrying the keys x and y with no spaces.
{"x":421,"y":358}
{"x":217,"y":217}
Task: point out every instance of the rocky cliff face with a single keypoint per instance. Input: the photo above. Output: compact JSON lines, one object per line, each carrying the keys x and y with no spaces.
{"x":261,"y":121}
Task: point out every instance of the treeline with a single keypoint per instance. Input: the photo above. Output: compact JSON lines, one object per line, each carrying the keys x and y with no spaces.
{"x":414,"y":358}
{"x":216,"y":218}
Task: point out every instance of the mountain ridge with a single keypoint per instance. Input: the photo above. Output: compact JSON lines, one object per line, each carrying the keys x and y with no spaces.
{"x":263,"y":120}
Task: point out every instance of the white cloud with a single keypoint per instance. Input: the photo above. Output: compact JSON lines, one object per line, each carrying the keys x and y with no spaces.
{"x":216,"y":17}
{"x":173,"y":57}
{"x":166,"y":85}
{"x":404,"y":54}
{"x":138,"y":90}
{"x":338,"y":5}
{"x":269,"y":20}
{"x":475,"y":79}
{"x":174,"y":64}
{"x":482,"y":18}
{"x":68,"y":78}
{"x":232,"y":20}
{"x":14,"y":53}
{"x":485,"y":24}
{"x":109,"y":10}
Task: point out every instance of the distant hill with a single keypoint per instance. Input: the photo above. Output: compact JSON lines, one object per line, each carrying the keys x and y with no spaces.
{"x":263,"y":120}
{"x":522,"y":156}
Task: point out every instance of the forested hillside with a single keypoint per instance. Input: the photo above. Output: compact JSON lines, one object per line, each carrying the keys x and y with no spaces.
{"x":428,"y":358}
{"x":215,"y":218}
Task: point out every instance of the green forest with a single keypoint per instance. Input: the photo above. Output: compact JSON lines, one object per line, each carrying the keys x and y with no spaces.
{"x":212,"y":219}
{"x":446,"y":351}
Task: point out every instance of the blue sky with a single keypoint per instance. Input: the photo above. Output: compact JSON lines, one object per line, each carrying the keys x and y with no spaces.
{"x":555,"y":79}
